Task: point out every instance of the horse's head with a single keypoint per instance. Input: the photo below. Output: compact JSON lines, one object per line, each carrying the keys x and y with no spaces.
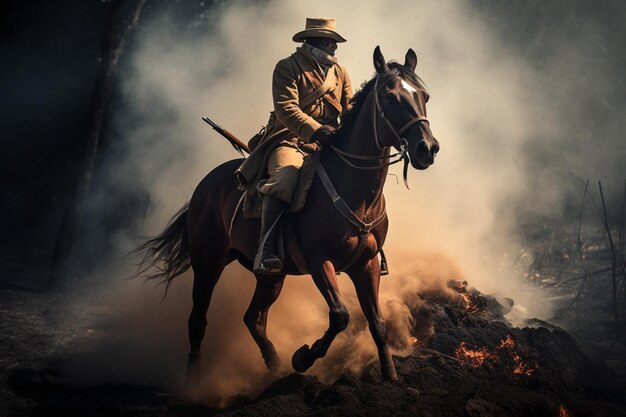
{"x":401,"y":100}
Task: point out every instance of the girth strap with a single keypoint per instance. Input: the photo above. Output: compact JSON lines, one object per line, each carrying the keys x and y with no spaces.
{"x":359,"y":251}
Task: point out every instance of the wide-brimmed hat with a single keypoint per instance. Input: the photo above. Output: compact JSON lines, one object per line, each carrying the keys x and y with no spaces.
{"x":318,"y":27}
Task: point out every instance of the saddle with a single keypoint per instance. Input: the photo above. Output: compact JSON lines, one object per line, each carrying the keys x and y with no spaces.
{"x":288,"y":240}
{"x":252,"y":205}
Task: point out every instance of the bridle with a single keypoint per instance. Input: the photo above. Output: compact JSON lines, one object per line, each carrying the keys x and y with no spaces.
{"x":398,"y":133}
{"x":401,"y":143}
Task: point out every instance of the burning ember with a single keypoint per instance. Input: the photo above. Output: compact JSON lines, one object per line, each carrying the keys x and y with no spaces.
{"x":474,"y":358}
{"x":466,"y":297}
{"x":413,"y":341}
{"x":521,"y":368}
{"x":508,"y":342}
{"x":564,"y":412}
{"x":481,"y":356}
{"x":469,"y":305}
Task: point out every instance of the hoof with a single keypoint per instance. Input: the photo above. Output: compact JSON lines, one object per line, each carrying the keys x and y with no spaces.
{"x":272,"y":362}
{"x":388,"y":373}
{"x":194,"y":375}
{"x":301,"y":360}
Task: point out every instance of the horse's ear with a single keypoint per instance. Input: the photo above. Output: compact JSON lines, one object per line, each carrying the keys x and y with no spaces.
{"x":379,"y":61}
{"x":410,"y":60}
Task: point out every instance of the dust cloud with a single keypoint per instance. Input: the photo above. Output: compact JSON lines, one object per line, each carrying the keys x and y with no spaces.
{"x":455,"y":222}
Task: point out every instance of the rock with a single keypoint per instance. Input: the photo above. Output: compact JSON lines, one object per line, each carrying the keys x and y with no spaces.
{"x":477,"y":407}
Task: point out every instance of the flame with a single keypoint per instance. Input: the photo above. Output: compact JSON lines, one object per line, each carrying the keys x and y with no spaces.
{"x":520,"y":368}
{"x":474,"y":358}
{"x":564,"y":412}
{"x":461,"y":288}
{"x":414,"y":342}
{"x":469,"y":304}
{"x":481,"y":356}
{"x":508,"y":342}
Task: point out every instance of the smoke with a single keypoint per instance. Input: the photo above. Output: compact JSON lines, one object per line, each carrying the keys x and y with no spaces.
{"x":486,"y":109}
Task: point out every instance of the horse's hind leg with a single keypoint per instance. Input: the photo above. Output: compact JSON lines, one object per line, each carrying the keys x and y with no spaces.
{"x":366,"y":283}
{"x":206,"y":271}
{"x":326,"y":281}
{"x":267,"y":290}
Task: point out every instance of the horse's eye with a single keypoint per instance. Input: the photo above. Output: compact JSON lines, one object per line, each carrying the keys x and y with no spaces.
{"x":391,"y":97}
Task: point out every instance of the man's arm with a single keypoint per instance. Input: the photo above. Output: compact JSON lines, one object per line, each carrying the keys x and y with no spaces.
{"x":287,"y":103}
{"x":346,"y":93}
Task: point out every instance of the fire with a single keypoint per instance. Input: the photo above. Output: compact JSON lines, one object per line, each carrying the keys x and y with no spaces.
{"x":474,"y":358}
{"x":461,"y":288}
{"x":521,"y":368}
{"x":508,"y":342}
{"x":564,"y":412}
{"x":481,"y":356}
{"x":414,"y":342}
{"x":469,"y":304}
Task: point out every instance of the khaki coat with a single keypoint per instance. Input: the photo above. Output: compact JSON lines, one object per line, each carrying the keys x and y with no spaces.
{"x":295,"y":77}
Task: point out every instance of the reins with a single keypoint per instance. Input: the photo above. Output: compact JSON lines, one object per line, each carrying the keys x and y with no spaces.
{"x":343,"y":155}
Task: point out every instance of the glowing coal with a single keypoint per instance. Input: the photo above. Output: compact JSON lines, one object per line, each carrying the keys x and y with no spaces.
{"x":474,"y":358}
{"x":506,"y":353}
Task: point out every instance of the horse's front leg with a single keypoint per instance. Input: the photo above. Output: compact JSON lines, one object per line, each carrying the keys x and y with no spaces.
{"x":325,"y":279}
{"x":366,"y":282}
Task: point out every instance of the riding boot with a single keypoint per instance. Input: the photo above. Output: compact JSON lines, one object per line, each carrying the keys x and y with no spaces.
{"x":268,"y":253}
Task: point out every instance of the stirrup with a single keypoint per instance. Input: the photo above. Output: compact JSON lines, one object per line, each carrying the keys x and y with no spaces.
{"x":384,"y":269}
{"x":258,"y":266}
{"x":261,"y":268}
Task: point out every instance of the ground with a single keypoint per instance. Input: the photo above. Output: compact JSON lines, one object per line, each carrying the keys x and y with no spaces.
{"x":436,"y":379}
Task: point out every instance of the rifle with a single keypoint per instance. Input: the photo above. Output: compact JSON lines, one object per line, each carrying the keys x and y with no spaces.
{"x":236,"y":142}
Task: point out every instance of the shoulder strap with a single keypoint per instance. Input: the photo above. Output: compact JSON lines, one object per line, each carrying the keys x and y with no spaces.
{"x":327,"y":85}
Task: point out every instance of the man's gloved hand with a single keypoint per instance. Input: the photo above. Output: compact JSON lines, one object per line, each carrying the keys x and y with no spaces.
{"x":309,"y":147}
{"x":322,"y":134}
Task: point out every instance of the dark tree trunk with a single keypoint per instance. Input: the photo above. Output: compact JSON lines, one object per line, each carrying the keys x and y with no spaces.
{"x":112,"y":48}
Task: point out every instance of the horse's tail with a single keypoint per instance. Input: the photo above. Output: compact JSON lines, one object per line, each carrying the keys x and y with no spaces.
{"x":167,"y":253}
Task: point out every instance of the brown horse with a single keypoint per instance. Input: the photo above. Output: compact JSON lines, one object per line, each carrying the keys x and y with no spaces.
{"x":209,"y":232}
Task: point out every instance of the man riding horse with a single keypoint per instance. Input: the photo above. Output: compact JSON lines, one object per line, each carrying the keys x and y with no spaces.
{"x":386,"y":124}
{"x":310,"y":91}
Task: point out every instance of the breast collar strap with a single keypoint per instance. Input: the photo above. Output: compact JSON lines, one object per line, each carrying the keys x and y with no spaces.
{"x":341,"y":205}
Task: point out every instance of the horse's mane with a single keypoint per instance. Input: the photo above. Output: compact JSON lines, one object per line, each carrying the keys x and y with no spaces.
{"x":358,"y":99}
{"x":395,"y":68}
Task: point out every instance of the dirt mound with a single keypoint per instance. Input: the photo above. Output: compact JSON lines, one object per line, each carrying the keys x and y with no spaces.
{"x":474,"y":363}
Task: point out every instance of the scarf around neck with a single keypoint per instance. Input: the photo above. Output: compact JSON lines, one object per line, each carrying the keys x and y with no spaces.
{"x":322,"y":57}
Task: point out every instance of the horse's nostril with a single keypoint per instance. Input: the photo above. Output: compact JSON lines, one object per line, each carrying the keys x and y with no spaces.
{"x":422,"y":147}
{"x":435,"y":148}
